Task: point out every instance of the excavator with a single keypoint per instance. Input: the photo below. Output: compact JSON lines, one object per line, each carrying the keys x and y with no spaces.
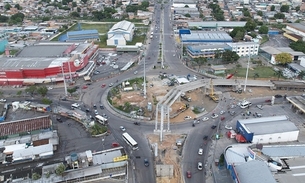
{"x":212,"y":95}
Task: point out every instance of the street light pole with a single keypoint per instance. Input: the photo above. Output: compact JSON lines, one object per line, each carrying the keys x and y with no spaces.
{"x":245,"y":87}
{"x":63,"y":76}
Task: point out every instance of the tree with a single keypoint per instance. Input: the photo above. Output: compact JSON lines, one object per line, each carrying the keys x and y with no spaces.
{"x":260,"y":13}
{"x":263,"y":29}
{"x":230,"y":56}
{"x":74,"y":14}
{"x":186,"y":6}
{"x":247,"y":13}
{"x":236,"y":30}
{"x":36,"y":176}
{"x":283,"y":58}
{"x":60,"y":169}
{"x":301,"y":75}
{"x":297,"y":8}
{"x":43,"y":90}
{"x":7,"y":6}
{"x":255,"y":75}
{"x":278,"y":73}
{"x":272,"y":8}
{"x":239,"y":36}
{"x":279,"y":16}
{"x":97,"y":129}
{"x":46,"y":101}
{"x":187,"y":15}
{"x":18,"y":7}
{"x":298,"y":46}
{"x":200,"y":61}
{"x":71,"y":90}
{"x":284,"y":8}
{"x":19,"y":93}
{"x":3,"y":18}
{"x":31,"y":89}
{"x":250,"y":25}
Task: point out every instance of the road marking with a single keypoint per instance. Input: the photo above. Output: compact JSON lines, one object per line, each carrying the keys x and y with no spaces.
{"x":6,"y":171}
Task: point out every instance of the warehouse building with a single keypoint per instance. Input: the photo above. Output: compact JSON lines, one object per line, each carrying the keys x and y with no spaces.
{"x":264,"y":130}
{"x":295,"y":31}
{"x":206,"y":37}
{"x":216,"y":25}
{"x":120,"y":33}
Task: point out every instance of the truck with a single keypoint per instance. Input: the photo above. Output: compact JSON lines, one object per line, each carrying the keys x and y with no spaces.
{"x":75,"y":106}
{"x":186,"y":97}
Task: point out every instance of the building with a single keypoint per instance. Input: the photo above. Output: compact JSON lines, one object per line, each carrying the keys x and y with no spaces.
{"x":197,"y":37}
{"x":264,"y":130}
{"x":270,"y":53}
{"x":295,"y":31}
{"x":183,"y":3}
{"x":80,"y":36}
{"x":252,"y":163}
{"x":47,"y":62}
{"x":209,"y":50}
{"x":215,"y":25}
{"x":120,"y":33}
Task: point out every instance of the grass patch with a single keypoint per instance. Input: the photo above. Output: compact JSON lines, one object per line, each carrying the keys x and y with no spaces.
{"x":263,"y":72}
{"x":101,"y":28}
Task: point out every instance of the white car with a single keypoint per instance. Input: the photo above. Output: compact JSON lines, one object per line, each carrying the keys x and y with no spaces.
{"x":187,"y":117}
{"x":199,"y":166}
{"x":2,"y":100}
{"x":205,"y":119}
{"x":95,"y":112}
{"x":228,"y":127}
{"x":122,"y":128}
{"x":110,"y":85}
{"x":222,"y":112}
{"x":214,"y":115}
{"x":200,"y":151}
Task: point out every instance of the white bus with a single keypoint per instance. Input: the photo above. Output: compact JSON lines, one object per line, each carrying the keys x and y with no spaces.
{"x":101,"y":119}
{"x":244,"y":104}
{"x":130,"y":141}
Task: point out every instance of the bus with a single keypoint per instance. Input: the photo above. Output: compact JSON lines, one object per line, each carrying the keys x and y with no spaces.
{"x":101,"y":119}
{"x":130,"y":141}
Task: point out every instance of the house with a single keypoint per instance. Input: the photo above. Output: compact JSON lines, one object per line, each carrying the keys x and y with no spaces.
{"x":120,"y":33}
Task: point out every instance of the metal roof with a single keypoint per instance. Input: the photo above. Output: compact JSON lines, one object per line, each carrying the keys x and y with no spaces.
{"x":270,"y":50}
{"x":206,"y":36}
{"x":298,"y":26}
{"x":122,"y":25}
{"x":254,"y":172}
{"x":207,"y":24}
{"x":269,"y":125}
{"x":284,"y":150}
{"x":43,"y":51}
{"x":81,"y":32}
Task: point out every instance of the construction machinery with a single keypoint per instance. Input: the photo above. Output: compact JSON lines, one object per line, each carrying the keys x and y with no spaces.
{"x":186,"y":97}
{"x":213,"y":96}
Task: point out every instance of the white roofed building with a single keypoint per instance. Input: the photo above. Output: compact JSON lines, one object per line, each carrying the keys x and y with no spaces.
{"x":120,"y":33}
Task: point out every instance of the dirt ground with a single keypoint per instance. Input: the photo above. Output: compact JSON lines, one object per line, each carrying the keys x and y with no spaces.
{"x":170,"y":157}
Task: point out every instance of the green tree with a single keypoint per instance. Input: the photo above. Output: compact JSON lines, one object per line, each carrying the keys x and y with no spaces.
{"x":230,"y":56}
{"x":19,"y":93}
{"x":263,"y":29}
{"x":187,"y":15}
{"x":43,"y":90}
{"x":260,"y":13}
{"x":71,"y":90}
{"x":74,"y":14}
{"x":297,"y":8}
{"x":250,"y":25}
{"x":36,"y":176}
{"x":247,"y":13}
{"x":18,"y":7}
{"x":186,"y":6}
{"x":46,"y":101}
{"x":84,"y":1}
{"x":74,"y":4}
{"x":298,"y":46}
{"x":7,"y":6}
{"x":279,"y":16}
{"x":200,"y":61}
{"x":284,"y":8}
{"x":278,"y":73}
{"x":60,"y":169}
{"x":97,"y":129}
{"x":283,"y":58}
{"x":272,"y":8}
{"x":301,"y":75}
{"x":3,"y":18}
{"x":239,"y":36}
{"x":44,"y":19}
{"x":31,"y":89}
{"x":236,"y":30}
{"x":255,"y":75}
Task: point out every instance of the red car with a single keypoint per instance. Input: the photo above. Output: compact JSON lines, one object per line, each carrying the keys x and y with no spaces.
{"x":85,"y":87}
{"x":103,"y":85}
{"x":188,"y":174}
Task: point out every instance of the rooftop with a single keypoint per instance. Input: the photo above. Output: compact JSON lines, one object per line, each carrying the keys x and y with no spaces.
{"x":43,"y":51}
{"x":213,"y":24}
{"x":122,"y":25}
{"x":206,"y":36}
{"x":298,"y":26}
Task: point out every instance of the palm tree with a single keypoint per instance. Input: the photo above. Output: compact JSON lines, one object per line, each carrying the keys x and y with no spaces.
{"x":278,"y":73}
{"x":301,"y":75}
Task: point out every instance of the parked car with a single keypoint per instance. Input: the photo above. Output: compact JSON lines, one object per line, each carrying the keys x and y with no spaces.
{"x":268,"y":100}
{"x":105,"y":116}
{"x":135,"y":72}
{"x":205,"y":137}
{"x":87,"y":110}
{"x":213,"y":127}
{"x":200,"y":151}
{"x":94,"y":106}
{"x":199,"y":166}
{"x":101,"y":106}
{"x":85,"y":87}
{"x":103,"y":85}
{"x":136,"y":123}
{"x":122,"y":128}
{"x":58,"y":118}
{"x":205,"y":119}
{"x":2,"y":100}
{"x":228,"y":127}
{"x":88,"y":83}
{"x":278,"y":96}
{"x":232,"y":113}
{"x":95,"y":112}
{"x":222,"y":112}
{"x":187,"y":117}
{"x":110,"y":85}
{"x":146,"y":162}
{"x":188,"y":174}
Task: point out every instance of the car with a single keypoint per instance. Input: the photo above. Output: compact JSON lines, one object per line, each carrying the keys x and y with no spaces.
{"x":205,"y":137}
{"x":135,"y":72}
{"x":196,"y":120}
{"x":95,"y":112}
{"x":87,"y":110}
{"x":88,"y":84}
{"x":222,"y":112}
{"x":187,"y":117}
{"x":205,"y":119}
{"x":188,"y":174}
{"x":105,"y":116}
{"x":228,"y":127}
{"x":94,"y":106}
{"x":257,"y":115}
{"x":85,"y":87}
{"x":2,"y":100}
{"x":58,"y":118}
{"x":213,"y":127}
{"x":199,"y":166}
{"x":101,"y":106}
{"x":278,"y":96}
{"x":214,"y":115}
{"x":137,"y":123}
{"x":64,"y":99}
{"x":110,"y":85}
{"x":232,"y":113}
{"x":50,"y":88}
{"x":103,"y":85}
{"x":146,"y":162}
{"x":268,"y":100}
{"x":200,"y":151}
{"x":122,"y":128}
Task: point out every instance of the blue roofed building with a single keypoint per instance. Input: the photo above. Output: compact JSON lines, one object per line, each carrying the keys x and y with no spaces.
{"x":120,"y":33}
{"x":82,"y":35}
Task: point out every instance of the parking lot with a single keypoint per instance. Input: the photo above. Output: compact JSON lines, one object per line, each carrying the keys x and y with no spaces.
{"x":109,"y":63}
{"x":277,"y":41}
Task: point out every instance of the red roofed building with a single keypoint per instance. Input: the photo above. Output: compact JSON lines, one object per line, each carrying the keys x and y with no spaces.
{"x":25,"y":125}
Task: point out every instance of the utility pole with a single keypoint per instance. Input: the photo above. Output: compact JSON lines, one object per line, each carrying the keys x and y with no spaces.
{"x":144,"y":90}
{"x":245,"y":87}
{"x":63,"y":76}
